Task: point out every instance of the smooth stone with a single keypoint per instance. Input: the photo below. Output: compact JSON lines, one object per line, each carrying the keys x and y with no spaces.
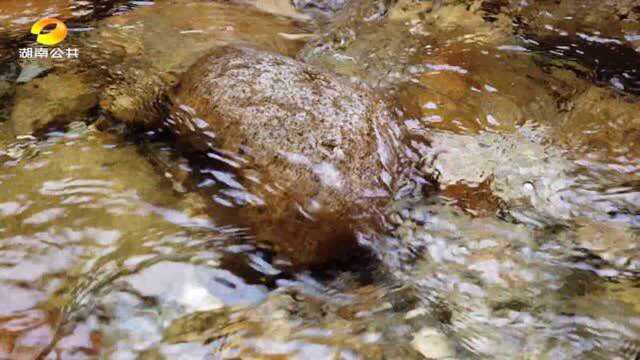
{"x":318,"y":145}
{"x":433,"y":344}
{"x":30,"y":72}
{"x":54,"y":100}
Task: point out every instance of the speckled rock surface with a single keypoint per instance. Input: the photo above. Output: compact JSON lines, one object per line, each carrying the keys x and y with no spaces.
{"x":313,"y":150}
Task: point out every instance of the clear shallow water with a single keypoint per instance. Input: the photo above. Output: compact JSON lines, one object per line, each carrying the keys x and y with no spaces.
{"x":104,"y":256}
{"x":528,"y":249}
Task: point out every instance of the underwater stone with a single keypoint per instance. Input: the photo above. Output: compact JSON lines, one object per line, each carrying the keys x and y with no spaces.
{"x":54,"y":100}
{"x":317,"y":148}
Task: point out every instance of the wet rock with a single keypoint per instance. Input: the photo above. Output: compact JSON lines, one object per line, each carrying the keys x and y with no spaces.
{"x":545,"y":187}
{"x":137,"y":96}
{"x":475,"y":198}
{"x":327,"y":7}
{"x":617,"y":245}
{"x":31,"y":71}
{"x":459,"y":16}
{"x":296,"y":324}
{"x":507,"y":290}
{"x":311,"y":150}
{"x":601,"y":123}
{"x":462,"y":88}
{"x":358,"y":38}
{"x":7,"y":90}
{"x":379,"y":41}
{"x":281,"y":7}
{"x":137,"y":56}
{"x":410,"y":9}
{"x":54,"y":100}
{"x":299,"y":319}
{"x":433,"y":344}
{"x":625,"y":291}
{"x":538,"y":179}
{"x":192,"y":288}
{"x":525,"y":178}
{"x":191,"y":303}
{"x":170,"y":36}
{"x":467,"y":267}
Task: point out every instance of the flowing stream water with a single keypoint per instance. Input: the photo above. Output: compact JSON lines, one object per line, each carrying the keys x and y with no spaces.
{"x":516,"y":235}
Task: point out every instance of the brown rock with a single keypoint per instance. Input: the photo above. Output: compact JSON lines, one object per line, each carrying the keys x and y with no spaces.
{"x":601,"y":122}
{"x":315,"y":148}
{"x":51,"y":101}
{"x":142,"y":62}
{"x":475,"y":199}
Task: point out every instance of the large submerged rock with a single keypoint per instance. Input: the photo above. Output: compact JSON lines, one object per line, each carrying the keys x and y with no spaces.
{"x":51,"y":101}
{"x":311,"y":151}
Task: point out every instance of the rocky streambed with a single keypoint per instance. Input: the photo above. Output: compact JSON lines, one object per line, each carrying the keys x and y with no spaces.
{"x":321,"y":180}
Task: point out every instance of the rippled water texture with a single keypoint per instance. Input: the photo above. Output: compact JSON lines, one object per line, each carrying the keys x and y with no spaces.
{"x":512,"y":230}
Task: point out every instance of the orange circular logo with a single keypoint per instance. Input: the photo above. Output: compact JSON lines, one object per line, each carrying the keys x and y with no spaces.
{"x":53,"y":37}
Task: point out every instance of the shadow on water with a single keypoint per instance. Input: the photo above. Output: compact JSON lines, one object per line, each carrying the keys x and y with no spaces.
{"x":606,"y":62}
